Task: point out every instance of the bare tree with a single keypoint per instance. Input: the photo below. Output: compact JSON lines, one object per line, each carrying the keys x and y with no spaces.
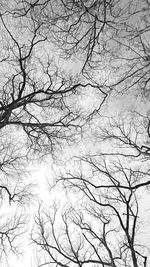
{"x":103,"y":225}
{"x":128,"y":134}
{"x":34,"y":96}
{"x":110,"y":36}
{"x":103,"y":229}
{"x":41,"y":108}
{"x":42,"y":102}
{"x":12,"y":227}
{"x":16,"y":191}
{"x":37,"y":95}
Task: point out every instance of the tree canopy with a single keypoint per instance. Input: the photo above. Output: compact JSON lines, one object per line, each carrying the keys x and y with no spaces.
{"x":74,"y":76}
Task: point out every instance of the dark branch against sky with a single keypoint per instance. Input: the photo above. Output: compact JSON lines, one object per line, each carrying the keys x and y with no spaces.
{"x":74,"y":95}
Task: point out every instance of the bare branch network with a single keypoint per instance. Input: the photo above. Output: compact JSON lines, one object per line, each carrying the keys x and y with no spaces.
{"x":65,"y":68}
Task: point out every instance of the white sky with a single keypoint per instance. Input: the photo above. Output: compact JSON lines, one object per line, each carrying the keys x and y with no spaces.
{"x":45,"y":172}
